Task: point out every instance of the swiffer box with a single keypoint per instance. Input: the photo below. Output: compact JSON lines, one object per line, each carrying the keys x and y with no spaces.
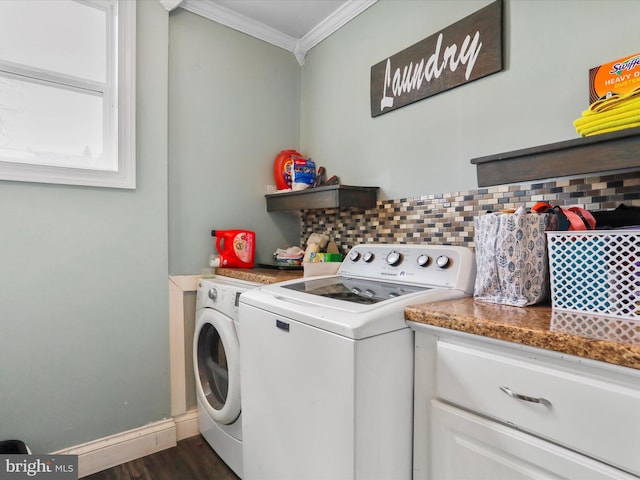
{"x":619,"y":76}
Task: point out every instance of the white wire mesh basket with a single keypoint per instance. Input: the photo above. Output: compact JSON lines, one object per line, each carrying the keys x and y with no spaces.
{"x":596,"y":272}
{"x":596,"y":327}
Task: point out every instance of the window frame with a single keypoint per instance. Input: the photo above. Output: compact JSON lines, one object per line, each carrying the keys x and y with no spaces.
{"x":121,"y":118}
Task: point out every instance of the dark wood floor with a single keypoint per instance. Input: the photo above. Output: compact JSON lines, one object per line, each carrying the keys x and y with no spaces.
{"x":192,"y":459}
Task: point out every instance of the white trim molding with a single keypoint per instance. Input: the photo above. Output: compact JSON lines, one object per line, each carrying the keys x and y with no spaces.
{"x":334,"y":22}
{"x":299,"y":47}
{"x":170,"y":4}
{"x":242,"y":23}
{"x":118,"y":101}
{"x":108,"y":452}
{"x":122,"y":447}
{"x":178,"y":286}
{"x":187,"y":425}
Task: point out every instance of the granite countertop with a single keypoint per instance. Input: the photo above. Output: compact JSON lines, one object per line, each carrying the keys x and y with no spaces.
{"x":607,"y":339}
{"x":260,"y":275}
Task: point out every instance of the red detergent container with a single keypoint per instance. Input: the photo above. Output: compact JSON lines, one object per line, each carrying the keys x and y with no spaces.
{"x":236,"y":248}
{"x":283,"y":166}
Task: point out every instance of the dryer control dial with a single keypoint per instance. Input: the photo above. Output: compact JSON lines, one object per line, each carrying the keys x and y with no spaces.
{"x":213,"y":293}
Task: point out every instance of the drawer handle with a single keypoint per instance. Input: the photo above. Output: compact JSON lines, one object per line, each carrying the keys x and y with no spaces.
{"x":513,"y":394}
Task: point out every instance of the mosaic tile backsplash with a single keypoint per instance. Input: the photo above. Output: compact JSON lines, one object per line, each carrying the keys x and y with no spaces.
{"x":447,"y":218}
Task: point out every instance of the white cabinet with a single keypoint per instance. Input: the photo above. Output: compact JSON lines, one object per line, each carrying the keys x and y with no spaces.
{"x":467,"y":446}
{"x":490,"y":409}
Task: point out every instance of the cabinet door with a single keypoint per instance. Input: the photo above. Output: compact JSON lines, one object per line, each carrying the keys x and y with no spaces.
{"x":579,"y":408}
{"x":466,"y":446}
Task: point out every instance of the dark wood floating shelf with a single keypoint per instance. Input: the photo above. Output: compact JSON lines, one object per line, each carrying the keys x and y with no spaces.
{"x":596,"y":154}
{"x":331,"y":196}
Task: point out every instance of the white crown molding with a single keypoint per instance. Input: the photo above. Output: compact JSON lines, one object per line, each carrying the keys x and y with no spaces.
{"x":333,"y":22}
{"x":170,"y":4}
{"x":229,"y":18}
{"x":299,"y":47}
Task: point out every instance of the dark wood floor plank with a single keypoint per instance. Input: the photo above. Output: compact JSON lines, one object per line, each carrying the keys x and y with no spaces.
{"x":191,"y":459}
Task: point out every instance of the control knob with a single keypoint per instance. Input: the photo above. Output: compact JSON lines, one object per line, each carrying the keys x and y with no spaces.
{"x":354,"y":255}
{"x":443,"y":261}
{"x":394,"y":258}
{"x":368,"y":257}
{"x":213,"y":293}
{"x":423,"y":260}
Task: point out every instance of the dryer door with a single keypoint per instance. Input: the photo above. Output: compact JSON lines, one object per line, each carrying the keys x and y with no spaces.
{"x":216,"y":360}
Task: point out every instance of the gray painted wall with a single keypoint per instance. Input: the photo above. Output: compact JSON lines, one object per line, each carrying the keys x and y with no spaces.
{"x":233,"y":105}
{"x":83,"y":291}
{"x":425,"y":148}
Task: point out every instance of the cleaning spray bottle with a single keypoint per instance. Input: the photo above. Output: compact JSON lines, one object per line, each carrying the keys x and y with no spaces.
{"x":236,"y":249}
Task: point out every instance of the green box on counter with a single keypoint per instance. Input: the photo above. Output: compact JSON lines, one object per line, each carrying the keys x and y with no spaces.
{"x":315,"y":257}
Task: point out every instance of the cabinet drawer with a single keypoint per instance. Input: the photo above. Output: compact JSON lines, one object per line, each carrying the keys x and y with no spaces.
{"x":467,"y":446}
{"x":588,"y":413}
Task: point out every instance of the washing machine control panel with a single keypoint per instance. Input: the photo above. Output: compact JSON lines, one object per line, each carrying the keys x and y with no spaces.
{"x":436,"y":265}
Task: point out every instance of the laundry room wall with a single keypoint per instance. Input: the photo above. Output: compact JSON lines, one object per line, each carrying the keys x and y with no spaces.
{"x":425,"y":148}
{"x":83,"y":290}
{"x":233,"y":105}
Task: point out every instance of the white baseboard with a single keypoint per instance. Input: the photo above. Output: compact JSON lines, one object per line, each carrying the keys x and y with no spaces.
{"x":187,"y":425}
{"x":126,"y":446}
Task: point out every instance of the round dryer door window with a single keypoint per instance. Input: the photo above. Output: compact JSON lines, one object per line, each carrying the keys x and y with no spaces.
{"x":216,"y":358}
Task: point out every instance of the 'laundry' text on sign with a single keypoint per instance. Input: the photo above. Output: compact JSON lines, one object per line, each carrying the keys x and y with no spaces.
{"x":463,"y":52}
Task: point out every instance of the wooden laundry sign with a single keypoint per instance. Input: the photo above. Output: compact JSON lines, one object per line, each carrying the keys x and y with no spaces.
{"x":465,"y":51}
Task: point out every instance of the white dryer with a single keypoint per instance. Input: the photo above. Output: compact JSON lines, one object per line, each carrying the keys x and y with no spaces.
{"x":216,"y":361}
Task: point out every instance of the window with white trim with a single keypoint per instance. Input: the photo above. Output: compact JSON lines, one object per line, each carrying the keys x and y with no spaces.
{"x":67,"y":92}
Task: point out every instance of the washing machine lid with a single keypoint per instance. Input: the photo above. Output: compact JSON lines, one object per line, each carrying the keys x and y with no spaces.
{"x":372,"y":288}
{"x":355,"y":290}
{"x":347,"y":318}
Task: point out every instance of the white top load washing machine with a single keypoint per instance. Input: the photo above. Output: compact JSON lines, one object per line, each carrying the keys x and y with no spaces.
{"x":216,"y":362}
{"x":327,"y":363}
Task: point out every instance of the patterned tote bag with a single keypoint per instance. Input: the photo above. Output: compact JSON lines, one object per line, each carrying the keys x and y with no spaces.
{"x":511,"y":258}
